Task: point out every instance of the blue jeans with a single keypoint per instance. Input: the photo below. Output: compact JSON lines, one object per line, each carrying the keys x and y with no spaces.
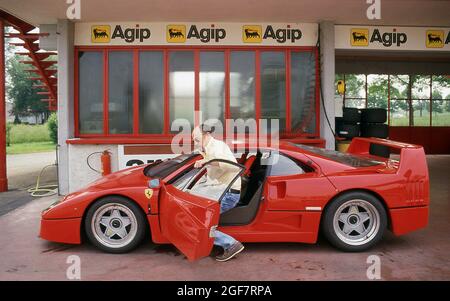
{"x":228,"y":202}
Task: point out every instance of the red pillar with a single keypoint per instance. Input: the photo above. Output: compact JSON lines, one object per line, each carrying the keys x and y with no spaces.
{"x":3,"y":178}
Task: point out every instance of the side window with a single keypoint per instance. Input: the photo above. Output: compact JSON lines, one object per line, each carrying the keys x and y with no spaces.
{"x":184,"y":178}
{"x":211,"y":181}
{"x":281,"y":165}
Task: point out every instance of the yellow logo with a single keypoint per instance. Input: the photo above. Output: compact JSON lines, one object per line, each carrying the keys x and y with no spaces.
{"x":101,"y":34}
{"x":176,"y":33}
{"x":251,"y":34}
{"x":435,"y":39}
{"x":148,"y":193}
{"x":359,"y":37}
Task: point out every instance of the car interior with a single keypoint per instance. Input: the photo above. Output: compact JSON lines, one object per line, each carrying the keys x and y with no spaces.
{"x":253,"y":177}
{"x":252,"y":183}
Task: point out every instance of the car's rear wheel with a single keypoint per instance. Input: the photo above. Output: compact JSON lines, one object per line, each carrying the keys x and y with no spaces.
{"x":115,"y":224}
{"x":354,"y":221}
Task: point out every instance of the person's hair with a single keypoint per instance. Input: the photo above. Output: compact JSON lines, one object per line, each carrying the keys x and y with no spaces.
{"x":206,"y":129}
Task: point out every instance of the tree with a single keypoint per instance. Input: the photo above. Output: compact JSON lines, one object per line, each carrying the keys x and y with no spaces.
{"x":377,"y":92}
{"x":20,"y":89}
{"x":438,"y":102}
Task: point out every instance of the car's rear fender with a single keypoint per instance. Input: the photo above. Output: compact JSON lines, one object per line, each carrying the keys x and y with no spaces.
{"x":411,"y":171}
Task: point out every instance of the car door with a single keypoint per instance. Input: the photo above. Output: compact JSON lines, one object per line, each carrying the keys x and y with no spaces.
{"x":190,"y":206}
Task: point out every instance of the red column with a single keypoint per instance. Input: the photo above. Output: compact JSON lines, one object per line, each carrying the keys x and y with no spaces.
{"x":3,"y":179}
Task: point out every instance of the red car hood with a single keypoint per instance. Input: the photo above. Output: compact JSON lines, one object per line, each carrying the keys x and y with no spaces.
{"x":129,"y":177}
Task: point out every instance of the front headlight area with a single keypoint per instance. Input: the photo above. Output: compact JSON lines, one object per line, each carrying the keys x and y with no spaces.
{"x":57,"y":202}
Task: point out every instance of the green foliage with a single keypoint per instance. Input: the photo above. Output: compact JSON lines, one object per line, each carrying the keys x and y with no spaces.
{"x":20,"y":90}
{"x":32,"y":147}
{"x":8,"y":133}
{"x":377,"y":92}
{"x":52,"y":125}
{"x":23,"y":133}
{"x":354,"y":85}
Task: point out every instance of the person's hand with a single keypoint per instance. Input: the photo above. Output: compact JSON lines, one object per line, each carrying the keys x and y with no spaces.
{"x":198,"y":164}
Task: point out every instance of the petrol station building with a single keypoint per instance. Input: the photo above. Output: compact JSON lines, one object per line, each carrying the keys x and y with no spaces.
{"x":128,"y":70}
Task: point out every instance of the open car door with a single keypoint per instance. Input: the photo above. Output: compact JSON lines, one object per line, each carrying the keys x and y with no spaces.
{"x":190,"y":207}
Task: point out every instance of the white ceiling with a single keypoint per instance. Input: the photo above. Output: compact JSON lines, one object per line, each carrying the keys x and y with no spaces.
{"x":394,"y":12}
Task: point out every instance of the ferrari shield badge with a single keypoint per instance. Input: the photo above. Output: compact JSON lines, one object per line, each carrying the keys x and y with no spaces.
{"x":148,"y":193}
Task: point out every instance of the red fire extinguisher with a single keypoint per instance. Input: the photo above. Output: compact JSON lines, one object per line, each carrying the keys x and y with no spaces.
{"x":106,"y":163}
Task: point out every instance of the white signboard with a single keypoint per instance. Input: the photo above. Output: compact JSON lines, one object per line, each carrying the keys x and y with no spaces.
{"x":179,"y":33}
{"x":128,"y":160}
{"x":392,"y":38}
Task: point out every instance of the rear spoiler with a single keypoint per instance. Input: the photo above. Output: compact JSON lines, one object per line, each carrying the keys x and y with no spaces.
{"x":360,"y":145}
{"x":412,"y":157}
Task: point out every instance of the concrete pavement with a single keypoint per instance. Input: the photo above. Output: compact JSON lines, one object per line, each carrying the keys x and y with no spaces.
{"x":23,"y":169}
{"x":422,"y":255}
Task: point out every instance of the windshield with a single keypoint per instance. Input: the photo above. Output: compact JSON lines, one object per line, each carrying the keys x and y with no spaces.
{"x":161,"y":169}
{"x":344,"y":158}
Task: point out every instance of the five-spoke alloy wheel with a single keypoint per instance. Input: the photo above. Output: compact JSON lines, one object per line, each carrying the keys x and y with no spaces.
{"x":115,"y":224}
{"x":354,"y":221}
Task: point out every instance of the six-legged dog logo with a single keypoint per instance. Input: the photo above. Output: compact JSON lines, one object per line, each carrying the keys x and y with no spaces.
{"x":251,"y":34}
{"x":359,"y":37}
{"x":101,"y":34}
{"x":176,"y":33}
{"x":435,"y":38}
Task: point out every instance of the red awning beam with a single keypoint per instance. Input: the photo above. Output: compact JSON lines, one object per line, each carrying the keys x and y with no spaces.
{"x":44,"y":70}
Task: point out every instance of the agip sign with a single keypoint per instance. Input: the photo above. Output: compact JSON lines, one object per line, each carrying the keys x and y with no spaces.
{"x":392,"y":38}
{"x":270,"y":34}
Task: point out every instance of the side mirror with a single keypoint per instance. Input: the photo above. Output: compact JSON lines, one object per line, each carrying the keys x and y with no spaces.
{"x":154,"y":183}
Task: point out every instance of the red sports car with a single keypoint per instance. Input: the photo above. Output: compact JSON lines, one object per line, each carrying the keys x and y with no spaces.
{"x":287,"y":195}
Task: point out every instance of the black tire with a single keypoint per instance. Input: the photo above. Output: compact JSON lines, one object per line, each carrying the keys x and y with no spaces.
{"x":378,"y":130}
{"x":351,"y":115}
{"x":374,"y":115}
{"x":380,"y":150}
{"x":348,"y":131}
{"x":135,"y":211}
{"x":334,"y":236}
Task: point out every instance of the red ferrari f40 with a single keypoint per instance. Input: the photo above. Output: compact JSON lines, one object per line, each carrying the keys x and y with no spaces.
{"x":287,"y":195}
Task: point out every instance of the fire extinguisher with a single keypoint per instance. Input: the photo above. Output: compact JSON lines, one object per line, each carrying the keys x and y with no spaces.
{"x":106,"y":163}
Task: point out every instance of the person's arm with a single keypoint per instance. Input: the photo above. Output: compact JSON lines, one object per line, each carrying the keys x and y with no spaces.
{"x":201,"y":162}
{"x":227,"y":154}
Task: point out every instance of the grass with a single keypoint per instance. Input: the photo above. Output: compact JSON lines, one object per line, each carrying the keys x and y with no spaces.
{"x":439,"y":119}
{"x":24,"y":133}
{"x":25,"y":139}
{"x":31,"y":147}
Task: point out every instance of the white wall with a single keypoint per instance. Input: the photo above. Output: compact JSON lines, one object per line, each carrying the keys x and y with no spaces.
{"x":65,"y":99}
{"x":80,"y":174}
{"x":327,"y":65}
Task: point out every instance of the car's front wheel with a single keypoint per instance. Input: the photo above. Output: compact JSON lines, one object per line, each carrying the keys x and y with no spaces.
{"x":115,"y":224}
{"x":354,"y":221}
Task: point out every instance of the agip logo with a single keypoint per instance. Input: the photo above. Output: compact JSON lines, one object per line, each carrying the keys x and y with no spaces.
{"x":101,"y":34}
{"x":251,"y":34}
{"x":176,"y":33}
{"x":435,"y":38}
{"x":282,"y":35}
{"x":359,"y":37}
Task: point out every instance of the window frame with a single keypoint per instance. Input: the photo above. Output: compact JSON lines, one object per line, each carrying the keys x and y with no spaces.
{"x":307,"y":169}
{"x":167,"y":135}
{"x":409,"y":99}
